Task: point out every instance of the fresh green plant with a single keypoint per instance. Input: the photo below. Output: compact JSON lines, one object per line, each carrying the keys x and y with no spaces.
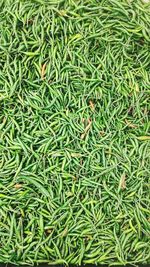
{"x":74,"y":131}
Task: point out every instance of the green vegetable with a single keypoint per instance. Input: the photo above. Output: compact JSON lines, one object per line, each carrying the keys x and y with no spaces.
{"x":75,"y":132}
